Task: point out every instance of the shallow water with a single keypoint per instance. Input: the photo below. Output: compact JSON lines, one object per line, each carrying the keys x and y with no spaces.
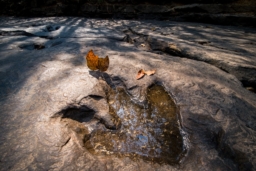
{"x":150,"y":132}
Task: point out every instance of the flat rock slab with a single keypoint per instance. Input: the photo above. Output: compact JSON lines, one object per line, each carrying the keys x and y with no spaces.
{"x":208,"y":70}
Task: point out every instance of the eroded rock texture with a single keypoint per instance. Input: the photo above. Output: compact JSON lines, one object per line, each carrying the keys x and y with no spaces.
{"x":56,"y":114}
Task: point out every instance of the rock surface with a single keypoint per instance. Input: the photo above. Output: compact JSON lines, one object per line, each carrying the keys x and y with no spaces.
{"x":46,"y":88}
{"x":228,"y":12}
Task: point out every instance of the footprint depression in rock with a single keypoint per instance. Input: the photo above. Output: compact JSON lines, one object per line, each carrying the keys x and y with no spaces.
{"x":150,"y":131}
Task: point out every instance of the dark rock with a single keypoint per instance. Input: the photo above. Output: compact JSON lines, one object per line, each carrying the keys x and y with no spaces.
{"x":228,"y":12}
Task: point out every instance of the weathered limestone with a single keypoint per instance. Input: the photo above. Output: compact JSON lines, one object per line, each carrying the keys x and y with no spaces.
{"x":44,"y":82}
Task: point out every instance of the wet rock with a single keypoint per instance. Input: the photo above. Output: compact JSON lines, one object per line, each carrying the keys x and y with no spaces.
{"x":151,"y":132}
{"x":56,"y":113}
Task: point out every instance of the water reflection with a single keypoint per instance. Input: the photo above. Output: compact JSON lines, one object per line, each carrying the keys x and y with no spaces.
{"x":150,"y":132}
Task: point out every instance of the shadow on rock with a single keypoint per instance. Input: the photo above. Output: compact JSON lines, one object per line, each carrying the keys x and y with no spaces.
{"x":113,"y":82}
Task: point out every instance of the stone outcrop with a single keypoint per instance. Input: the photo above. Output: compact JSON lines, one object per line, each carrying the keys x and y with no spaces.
{"x":56,"y":114}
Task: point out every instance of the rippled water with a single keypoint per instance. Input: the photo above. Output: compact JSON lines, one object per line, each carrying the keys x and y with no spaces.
{"x":150,"y":132}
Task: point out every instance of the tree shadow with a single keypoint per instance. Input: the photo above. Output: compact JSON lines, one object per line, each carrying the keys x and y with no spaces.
{"x":20,"y":65}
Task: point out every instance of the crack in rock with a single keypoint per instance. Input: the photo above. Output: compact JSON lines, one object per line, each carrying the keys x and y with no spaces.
{"x":180,"y":49}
